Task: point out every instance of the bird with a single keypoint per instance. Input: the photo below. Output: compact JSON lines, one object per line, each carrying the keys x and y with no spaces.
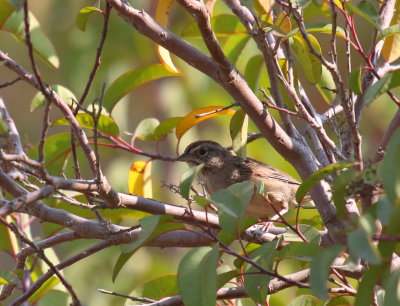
{"x":222,"y":169}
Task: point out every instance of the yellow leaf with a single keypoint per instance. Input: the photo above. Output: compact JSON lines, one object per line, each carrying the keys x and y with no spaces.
{"x":139,"y":179}
{"x":163,"y":7}
{"x":262,"y":6}
{"x":391,"y":46}
{"x":283,"y":22}
{"x":191,"y":120}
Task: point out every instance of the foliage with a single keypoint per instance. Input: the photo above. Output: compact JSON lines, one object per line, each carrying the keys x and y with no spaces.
{"x":268,"y":70}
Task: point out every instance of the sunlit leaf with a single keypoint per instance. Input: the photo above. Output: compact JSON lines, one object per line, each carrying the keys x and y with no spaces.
{"x":310,"y":64}
{"x":386,"y":83}
{"x":56,"y":152}
{"x":326,"y":86}
{"x":317,"y":28}
{"x":299,"y":250}
{"x":222,"y":25}
{"x":139,"y":179}
{"x":187,"y":180}
{"x":355,"y":81}
{"x":160,"y":287}
{"x":166,"y":126}
{"x":320,"y":268}
{"x":305,"y":300}
{"x":105,"y":124}
{"x":6,"y":9}
{"x":253,"y":71}
{"x":283,"y":22}
{"x":83,"y":16}
{"x":234,"y":45}
{"x":319,"y":175}
{"x":191,"y":119}
{"x":391,"y":47}
{"x":42,"y":46}
{"x":44,"y":289}
{"x":309,"y":232}
{"x":162,"y":11}
{"x":145,"y":129}
{"x":197,"y":276}
{"x":300,"y":3}
{"x":65,"y":94}
{"x":262,"y":6}
{"x":132,"y":79}
{"x":238,"y":130}
{"x":8,"y":277}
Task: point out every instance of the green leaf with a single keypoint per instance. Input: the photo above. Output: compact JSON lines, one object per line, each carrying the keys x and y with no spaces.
{"x":8,"y":277}
{"x":392,"y":296}
{"x":222,"y":25}
{"x":299,"y":250}
{"x":151,"y":226}
{"x":234,"y":199}
{"x":366,"y":10}
{"x":56,"y":152}
{"x":314,"y":178}
{"x":225,"y":277}
{"x":197,"y":276}
{"x":326,"y":86}
{"x":42,"y":46}
{"x":317,"y":28}
{"x":320,"y":269}
{"x":105,"y":123}
{"x":165,"y":127}
{"x":355,"y":81}
{"x":340,"y":184}
{"x":310,"y":64}
{"x":132,"y":79}
{"x":253,"y":71}
{"x":386,"y":83}
{"x":365,"y":291}
{"x":390,"y":168}
{"x":361,"y":246}
{"x":160,"y":287}
{"x":6,"y":9}
{"x":300,"y":3}
{"x":65,"y":94}
{"x":238,"y":130}
{"x":310,"y":233}
{"x":55,"y":297}
{"x":145,"y":129}
{"x":305,"y":300}
{"x":83,"y":16}
{"x":17,"y":4}
{"x":389,"y":31}
{"x":44,"y":289}
{"x":256,"y":283}
{"x":187,"y":180}
{"x":234,"y":45}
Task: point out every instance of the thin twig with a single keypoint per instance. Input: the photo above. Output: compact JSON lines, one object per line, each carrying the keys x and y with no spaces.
{"x":106,"y":17}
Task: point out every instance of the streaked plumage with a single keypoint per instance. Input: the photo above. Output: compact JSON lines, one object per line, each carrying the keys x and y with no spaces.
{"x":222,"y":169}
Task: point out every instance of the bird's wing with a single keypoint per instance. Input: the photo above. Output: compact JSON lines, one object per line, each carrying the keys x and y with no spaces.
{"x":270,"y":172}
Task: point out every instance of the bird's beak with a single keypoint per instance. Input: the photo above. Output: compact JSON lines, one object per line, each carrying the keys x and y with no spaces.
{"x":183,"y":158}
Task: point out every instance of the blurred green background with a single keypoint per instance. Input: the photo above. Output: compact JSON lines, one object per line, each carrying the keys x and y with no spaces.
{"x":175,"y":96}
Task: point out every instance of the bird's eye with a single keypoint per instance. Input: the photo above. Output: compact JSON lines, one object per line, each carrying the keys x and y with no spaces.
{"x":202,"y":152}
